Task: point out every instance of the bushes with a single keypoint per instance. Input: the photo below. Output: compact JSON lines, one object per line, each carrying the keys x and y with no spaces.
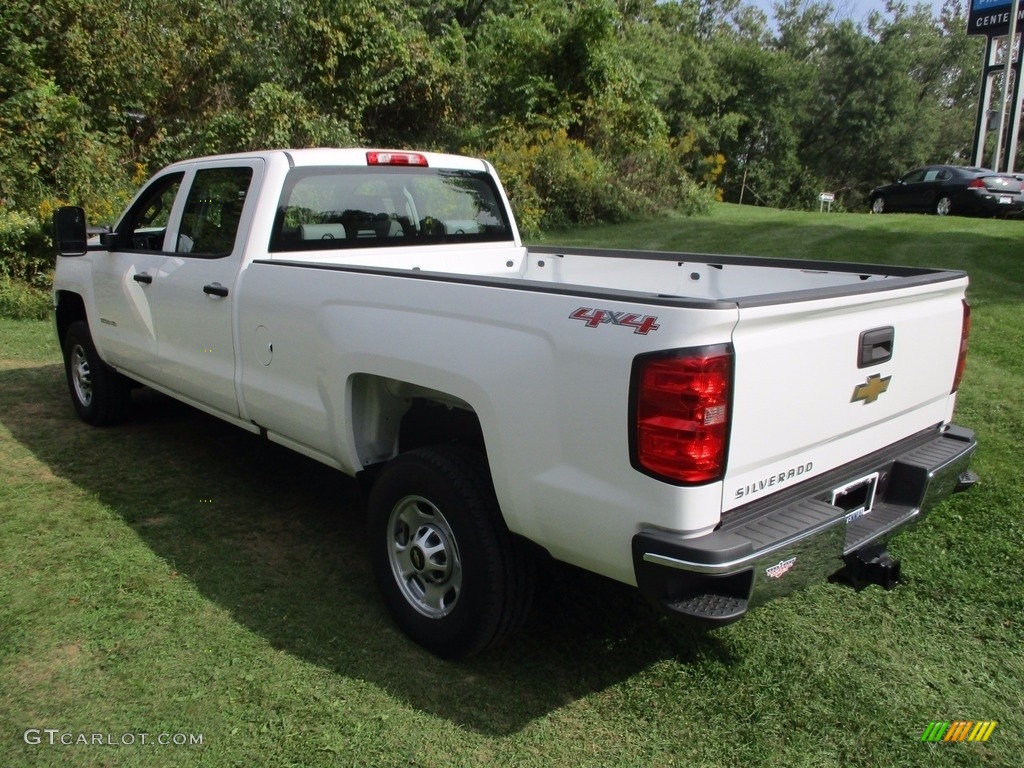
{"x":561,"y":181}
{"x":26,"y":254}
{"x":555,"y":181}
{"x":26,"y":264}
{"x":19,"y":301}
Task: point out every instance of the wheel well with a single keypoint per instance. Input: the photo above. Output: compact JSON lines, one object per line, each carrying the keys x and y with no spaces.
{"x":389,"y":417}
{"x":428,"y":422}
{"x":70,"y":309}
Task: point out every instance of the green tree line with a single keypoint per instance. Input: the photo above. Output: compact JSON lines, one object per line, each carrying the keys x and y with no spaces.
{"x":592,"y":110}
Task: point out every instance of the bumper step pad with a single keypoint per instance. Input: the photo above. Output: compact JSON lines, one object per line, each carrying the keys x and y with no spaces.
{"x":719,"y":609}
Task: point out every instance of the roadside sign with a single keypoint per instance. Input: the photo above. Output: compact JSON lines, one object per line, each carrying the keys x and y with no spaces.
{"x":990,"y":17}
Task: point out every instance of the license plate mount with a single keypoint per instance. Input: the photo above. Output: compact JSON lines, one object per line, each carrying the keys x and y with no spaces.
{"x":856,"y":498}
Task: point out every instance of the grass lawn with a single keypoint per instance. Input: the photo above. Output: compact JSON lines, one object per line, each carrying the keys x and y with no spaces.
{"x":176,"y":577}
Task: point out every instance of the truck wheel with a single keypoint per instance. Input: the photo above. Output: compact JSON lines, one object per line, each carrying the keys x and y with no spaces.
{"x":452,"y":575}
{"x":99,"y":393}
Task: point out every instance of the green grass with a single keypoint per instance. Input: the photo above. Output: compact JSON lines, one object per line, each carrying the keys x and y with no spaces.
{"x":176,"y":575}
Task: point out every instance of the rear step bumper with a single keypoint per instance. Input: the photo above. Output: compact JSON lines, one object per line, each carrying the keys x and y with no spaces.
{"x":794,"y":538}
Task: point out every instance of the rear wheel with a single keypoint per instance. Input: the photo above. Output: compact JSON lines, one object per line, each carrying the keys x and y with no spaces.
{"x":943,"y":205}
{"x":99,"y":393}
{"x":452,"y":575}
{"x":878,"y":205}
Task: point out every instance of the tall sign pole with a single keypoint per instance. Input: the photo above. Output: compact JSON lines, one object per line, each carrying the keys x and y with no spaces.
{"x":981,"y":125}
{"x":1017,"y":100}
{"x":1004,"y":103}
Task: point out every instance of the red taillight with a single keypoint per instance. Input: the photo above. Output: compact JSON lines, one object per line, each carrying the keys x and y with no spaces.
{"x":395,"y":158}
{"x":961,"y":362}
{"x":680,"y":418}
{"x":976,"y":184}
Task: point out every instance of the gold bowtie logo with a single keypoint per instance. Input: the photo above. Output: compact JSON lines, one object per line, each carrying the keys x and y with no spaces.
{"x":871,"y":389}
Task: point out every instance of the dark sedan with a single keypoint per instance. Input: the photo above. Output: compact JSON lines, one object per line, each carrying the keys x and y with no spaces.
{"x":951,"y":189}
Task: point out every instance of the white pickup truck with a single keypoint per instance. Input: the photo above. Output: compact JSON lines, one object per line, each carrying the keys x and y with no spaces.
{"x":715,"y":430}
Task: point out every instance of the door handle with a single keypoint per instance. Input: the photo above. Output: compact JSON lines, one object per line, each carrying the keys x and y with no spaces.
{"x":142,"y":277}
{"x":876,"y":347}
{"x":215,"y":289}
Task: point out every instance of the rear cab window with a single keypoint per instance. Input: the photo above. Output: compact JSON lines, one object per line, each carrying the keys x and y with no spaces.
{"x":353,"y":207}
{"x":213,"y":210}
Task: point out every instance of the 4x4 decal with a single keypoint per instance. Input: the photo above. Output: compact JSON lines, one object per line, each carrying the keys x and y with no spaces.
{"x":642,"y":324}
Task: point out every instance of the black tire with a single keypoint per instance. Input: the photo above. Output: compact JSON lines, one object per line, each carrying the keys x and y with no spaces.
{"x":99,"y":393}
{"x":453,"y":577}
{"x":943,"y":205}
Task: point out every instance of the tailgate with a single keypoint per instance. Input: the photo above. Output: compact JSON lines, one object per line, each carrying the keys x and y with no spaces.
{"x":823,"y":382}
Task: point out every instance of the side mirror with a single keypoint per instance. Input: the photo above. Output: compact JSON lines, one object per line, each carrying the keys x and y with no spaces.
{"x":69,"y":233}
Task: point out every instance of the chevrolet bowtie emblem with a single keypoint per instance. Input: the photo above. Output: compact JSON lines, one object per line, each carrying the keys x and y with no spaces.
{"x":869,"y":391}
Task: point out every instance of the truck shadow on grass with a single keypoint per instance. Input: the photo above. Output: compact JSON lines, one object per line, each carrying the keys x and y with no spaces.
{"x":277,"y":540}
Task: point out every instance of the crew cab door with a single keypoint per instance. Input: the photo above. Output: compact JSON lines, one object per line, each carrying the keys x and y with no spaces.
{"x":193,"y":297}
{"x":123,"y":325}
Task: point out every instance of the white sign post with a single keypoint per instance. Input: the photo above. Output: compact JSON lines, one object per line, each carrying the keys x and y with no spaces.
{"x":826,"y":197}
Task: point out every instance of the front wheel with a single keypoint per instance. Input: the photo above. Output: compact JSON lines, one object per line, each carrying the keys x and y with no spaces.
{"x":99,"y":393}
{"x":452,"y":575}
{"x":878,"y":205}
{"x":943,"y":205}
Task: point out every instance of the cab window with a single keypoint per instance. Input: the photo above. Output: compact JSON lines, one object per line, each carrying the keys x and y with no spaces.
{"x":213,"y":210}
{"x":144,"y":226}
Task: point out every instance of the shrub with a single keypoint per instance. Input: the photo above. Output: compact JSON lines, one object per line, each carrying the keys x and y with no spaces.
{"x":556,"y":181}
{"x":26,"y":254}
{"x":23,"y":302}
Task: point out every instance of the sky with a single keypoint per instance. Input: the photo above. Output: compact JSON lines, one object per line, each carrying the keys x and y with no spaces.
{"x":858,"y":10}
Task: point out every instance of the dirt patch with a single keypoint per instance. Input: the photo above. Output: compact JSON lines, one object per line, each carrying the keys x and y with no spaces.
{"x":45,"y":672}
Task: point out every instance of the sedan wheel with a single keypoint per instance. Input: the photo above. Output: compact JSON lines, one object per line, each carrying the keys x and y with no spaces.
{"x":878,"y":205}
{"x":943,"y":206}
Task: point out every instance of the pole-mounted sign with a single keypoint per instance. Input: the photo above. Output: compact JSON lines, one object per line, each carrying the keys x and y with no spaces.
{"x":995,"y":19}
{"x":991,"y":18}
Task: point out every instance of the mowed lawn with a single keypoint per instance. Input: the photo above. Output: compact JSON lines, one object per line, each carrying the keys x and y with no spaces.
{"x":174,"y":579}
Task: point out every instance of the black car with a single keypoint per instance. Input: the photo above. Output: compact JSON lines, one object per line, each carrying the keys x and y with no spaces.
{"x":946,"y":189}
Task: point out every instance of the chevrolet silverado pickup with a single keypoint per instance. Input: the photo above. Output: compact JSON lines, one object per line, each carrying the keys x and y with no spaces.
{"x":715,"y":430}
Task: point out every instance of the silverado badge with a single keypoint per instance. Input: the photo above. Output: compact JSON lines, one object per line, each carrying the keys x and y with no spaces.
{"x":870,"y":390}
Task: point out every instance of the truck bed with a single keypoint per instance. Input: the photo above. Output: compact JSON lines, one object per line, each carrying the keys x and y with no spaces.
{"x":529,"y":345}
{"x":649,"y":277}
